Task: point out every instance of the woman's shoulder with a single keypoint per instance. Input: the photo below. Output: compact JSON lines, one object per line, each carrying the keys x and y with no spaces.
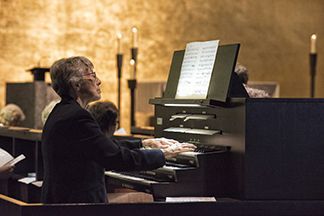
{"x":69,"y":111}
{"x":77,"y":112}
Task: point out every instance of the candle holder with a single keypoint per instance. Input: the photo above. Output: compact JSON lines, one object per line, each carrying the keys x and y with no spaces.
{"x":119,"y":59}
{"x":134,"y":52}
{"x":312,"y":61}
{"x":132,"y":86}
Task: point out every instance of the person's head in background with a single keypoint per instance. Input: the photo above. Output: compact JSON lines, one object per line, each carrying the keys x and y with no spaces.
{"x":242,"y":73}
{"x":106,"y":114}
{"x":11,"y":115}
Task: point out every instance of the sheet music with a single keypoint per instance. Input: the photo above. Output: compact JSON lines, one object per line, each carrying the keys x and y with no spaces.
{"x":8,"y":159}
{"x":196,"y":70}
{"x":16,"y":160}
{"x":4,"y":157}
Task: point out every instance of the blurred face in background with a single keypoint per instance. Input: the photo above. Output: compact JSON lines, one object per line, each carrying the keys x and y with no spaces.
{"x":112,"y":128}
{"x":106,"y":114}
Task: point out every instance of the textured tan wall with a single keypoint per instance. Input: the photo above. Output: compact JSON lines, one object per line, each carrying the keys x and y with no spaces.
{"x":274,"y":35}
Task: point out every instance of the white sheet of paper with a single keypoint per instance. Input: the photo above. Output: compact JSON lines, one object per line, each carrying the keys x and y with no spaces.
{"x":16,"y":160}
{"x":27,"y":180}
{"x":4,"y":157}
{"x":7,"y":158}
{"x":38,"y":183}
{"x":196,"y":70}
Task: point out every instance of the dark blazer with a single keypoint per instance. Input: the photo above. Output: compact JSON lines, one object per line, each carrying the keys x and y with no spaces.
{"x":76,"y":153}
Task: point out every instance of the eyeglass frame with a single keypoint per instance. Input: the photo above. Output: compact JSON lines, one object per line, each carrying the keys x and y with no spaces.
{"x":94,"y":75}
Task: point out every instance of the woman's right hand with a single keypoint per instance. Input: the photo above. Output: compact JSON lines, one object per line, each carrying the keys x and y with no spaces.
{"x":177,"y":148}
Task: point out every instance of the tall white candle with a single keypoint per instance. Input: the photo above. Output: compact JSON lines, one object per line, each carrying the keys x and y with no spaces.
{"x":132,"y":66}
{"x":119,"y":37}
{"x":313,"y":44}
{"x":134,"y":37}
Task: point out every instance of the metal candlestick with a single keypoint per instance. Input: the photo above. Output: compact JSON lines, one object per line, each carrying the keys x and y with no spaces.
{"x":132,"y":86}
{"x":313,"y":60}
{"x":119,"y":75}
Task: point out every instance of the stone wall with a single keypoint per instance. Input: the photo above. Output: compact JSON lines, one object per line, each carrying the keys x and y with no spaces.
{"x":274,"y":37}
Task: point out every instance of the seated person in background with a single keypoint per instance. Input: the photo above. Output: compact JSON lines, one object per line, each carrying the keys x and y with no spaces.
{"x":243,"y":75}
{"x":75,"y":151}
{"x":11,"y":115}
{"x":106,"y":114}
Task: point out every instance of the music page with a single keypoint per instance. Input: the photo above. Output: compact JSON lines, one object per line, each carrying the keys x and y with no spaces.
{"x":8,"y":159}
{"x":196,"y":70}
{"x":4,"y":157}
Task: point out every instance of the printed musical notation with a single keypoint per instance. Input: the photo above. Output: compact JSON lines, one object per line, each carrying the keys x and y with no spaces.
{"x":196,"y":70}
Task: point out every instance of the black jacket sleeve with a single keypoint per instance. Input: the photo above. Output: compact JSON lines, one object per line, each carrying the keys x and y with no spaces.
{"x":131,"y":144}
{"x":96,"y":146}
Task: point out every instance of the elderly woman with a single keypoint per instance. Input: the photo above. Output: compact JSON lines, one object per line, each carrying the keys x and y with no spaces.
{"x":75,"y":151}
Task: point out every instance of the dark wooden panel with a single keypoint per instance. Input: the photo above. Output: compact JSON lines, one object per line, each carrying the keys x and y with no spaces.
{"x":284,"y":149}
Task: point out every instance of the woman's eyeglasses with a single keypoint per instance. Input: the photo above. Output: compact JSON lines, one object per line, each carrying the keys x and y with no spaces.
{"x":93,"y":74}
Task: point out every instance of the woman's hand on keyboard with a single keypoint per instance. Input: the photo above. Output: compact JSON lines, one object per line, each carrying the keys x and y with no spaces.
{"x":177,"y":148}
{"x":160,"y":143}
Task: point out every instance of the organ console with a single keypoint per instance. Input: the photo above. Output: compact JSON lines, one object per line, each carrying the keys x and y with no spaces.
{"x":247,"y":148}
{"x":213,"y":124}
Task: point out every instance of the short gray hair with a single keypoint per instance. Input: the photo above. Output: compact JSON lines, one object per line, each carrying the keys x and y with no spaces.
{"x":66,"y":71}
{"x":11,"y":115}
